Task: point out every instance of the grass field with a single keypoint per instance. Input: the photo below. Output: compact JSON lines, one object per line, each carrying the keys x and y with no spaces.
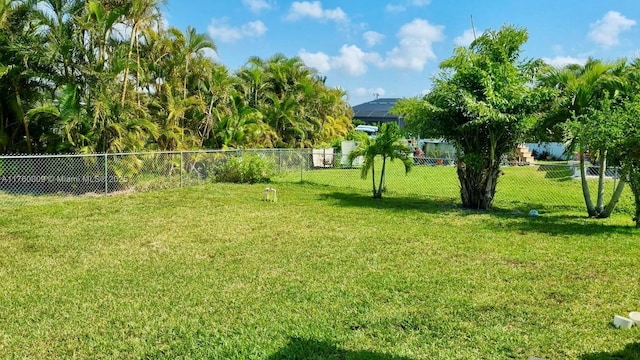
{"x":326,"y":273}
{"x":545,"y":187}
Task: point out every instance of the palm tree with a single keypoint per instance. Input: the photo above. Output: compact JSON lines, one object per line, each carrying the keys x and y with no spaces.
{"x":23,"y":77}
{"x":387,"y":145}
{"x":253,"y":82}
{"x":216,"y":88}
{"x":141,"y":14}
{"x":585,"y":90}
{"x":188,"y":45}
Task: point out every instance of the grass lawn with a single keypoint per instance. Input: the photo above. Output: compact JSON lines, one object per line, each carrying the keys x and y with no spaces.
{"x":326,"y":273}
{"x":545,"y":187}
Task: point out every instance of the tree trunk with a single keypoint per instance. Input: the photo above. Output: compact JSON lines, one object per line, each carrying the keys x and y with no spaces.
{"x":634,"y":184}
{"x":126,"y":69}
{"x":477,"y":187}
{"x":614,"y":198}
{"x":636,"y":196}
{"x":23,"y":117}
{"x":591,"y":211}
{"x":601,"y":174}
{"x":373,"y":177}
{"x":381,"y":185}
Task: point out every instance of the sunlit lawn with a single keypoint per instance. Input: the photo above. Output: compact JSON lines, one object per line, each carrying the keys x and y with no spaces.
{"x":325,"y":273}
{"x":548,"y":187}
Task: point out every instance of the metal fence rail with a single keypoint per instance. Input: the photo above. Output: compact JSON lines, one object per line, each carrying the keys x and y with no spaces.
{"x":27,"y":179}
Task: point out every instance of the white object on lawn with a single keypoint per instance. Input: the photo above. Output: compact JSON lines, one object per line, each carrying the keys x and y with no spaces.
{"x":533,"y":213}
{"x":270,"y":194}
{"x":635,"y":316}
{"x":622,"y":322}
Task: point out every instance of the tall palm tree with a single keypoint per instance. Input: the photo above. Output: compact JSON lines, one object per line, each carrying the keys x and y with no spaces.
{"x":141,"y":14}
{"x":23,"y":77}
{"x":189,"y":44}
{"x":386,"y":145}
{"x":217,"y":89}
{"x":57,"y":19}
{"x":584,"y":90}
{"x":253,"y":82}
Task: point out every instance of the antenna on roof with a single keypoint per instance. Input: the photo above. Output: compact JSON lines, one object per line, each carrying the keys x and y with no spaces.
{"x":376,"y":95}
{"x":473,"y":27}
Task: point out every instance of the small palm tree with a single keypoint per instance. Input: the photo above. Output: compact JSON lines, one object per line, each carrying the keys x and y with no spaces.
{"x":386,"y":144}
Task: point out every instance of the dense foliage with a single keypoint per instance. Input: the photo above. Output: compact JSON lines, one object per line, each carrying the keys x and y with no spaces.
{"x":247,"y":168}
{"x":386,"y":145}
{"x":483,"y":103}
{"x":588,"y":97}
{"x":108,"y":76}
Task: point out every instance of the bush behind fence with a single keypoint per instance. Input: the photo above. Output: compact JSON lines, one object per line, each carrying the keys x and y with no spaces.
{"x":27,"y":179}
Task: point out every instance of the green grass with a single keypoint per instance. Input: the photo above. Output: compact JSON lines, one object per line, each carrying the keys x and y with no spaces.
{"x":213,"y":272}
{"x":545,"y":187}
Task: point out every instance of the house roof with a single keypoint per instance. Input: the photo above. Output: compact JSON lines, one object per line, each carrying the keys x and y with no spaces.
{"x":376,"y":111}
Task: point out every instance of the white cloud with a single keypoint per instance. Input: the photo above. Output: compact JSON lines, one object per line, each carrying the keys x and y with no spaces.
{"x":372,"y":38}
{"x":606,"y":31}
{"x":391,"y":8}
{"x":319,"y":61}
{"x":465,"y":39}
{"x":351,"y":60}
{"x":419,"y":3}
{"x":561,"y":61}
{"x":257,"y":5}
{"x":314,"y":10}
{"x":415,"y":48}
{"x":412,"y":53}
{"x":221,"y":31}
{"x":361,"y":91}
{"x":398,"y":8}
{"x":210,"y":53}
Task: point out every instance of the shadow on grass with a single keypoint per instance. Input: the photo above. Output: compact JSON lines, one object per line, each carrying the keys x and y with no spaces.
{"x":553,"y":220}
{"x":396,"y":203}
{"x":558,"y":172}
{"x":631,"y":352}
{"x":305,"y":349}
{"x":554,"y":224}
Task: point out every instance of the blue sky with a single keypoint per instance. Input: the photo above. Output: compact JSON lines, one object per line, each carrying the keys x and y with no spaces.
{"x":392,"y":48}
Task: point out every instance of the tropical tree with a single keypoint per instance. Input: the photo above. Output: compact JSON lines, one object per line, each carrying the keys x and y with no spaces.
{"x":482,"y":103}
{"x":588,"y":96}
{"x":386,"y":145}
{"x":626,"y":146}
{"x":62,"y":62}
{"x":141,"y":16}
{"x":23,"y":77}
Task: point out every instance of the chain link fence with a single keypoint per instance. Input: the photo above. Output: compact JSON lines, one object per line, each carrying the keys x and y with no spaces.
{"x":27,"y":179}
{"x":544,"y":186}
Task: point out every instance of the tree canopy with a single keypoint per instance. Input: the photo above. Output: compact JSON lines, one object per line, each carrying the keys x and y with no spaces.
{"x":483,"y":103}
{"x":96,"y":76}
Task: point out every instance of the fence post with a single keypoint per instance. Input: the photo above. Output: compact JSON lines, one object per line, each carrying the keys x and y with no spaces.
{"x":181,"y":167}
{"x":106,"y":176}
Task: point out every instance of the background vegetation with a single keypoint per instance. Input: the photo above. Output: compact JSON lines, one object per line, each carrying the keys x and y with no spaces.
{"x":108,"y":76}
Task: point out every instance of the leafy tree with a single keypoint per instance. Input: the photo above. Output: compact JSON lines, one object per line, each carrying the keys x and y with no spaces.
{"x":626,"y":146}
{"x":90,"y":75}
{"x":386,"y":145}
{"x":588,"y":96}
{"x":483,"y":103}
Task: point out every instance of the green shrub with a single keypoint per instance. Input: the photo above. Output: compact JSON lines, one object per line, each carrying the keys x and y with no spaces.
{"x":248,"y":168}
